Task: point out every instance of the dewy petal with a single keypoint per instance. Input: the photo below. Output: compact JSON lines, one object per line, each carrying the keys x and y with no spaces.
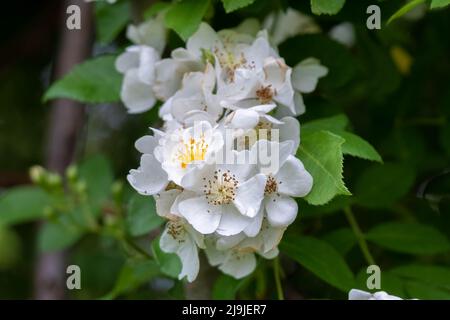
{"x":306,"y":74}
{"x":149,"y":178}
{"x":146,"y":144}
{"x":249,"y":195}
{"x":232,"y":222}
{"x":293,"y":179}
{"x":136,"y":95}
{"x":239,"y":265}
{"x":205,"y":218}
{"x":281,"y":210}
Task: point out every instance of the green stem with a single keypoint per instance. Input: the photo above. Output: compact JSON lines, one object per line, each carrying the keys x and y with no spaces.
{"x":276,"y":273}
{"x":136,"y":247}
{"x":359,"y":236}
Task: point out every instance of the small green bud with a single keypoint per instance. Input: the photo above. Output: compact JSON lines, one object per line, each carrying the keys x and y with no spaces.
{"x":37,"y":174}
{"x":53,"y":180}
{"x":81,"y":187}
{"x":72,"y":173}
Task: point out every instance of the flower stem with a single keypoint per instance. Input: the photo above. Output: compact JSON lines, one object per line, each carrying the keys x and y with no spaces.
{"x":277,"y":275}
{"x":359,"y":236}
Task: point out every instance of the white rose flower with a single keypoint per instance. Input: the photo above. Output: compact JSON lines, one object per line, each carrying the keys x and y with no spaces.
{"x":226,"y":199}
{"x":182,"y":150}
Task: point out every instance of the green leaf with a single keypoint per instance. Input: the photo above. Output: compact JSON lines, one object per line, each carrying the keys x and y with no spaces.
{"x":232,"y":5}
{"x":111,"y":19}
{"x":334,"y":123}
{"x":405,"y":9}
{"x":321,"y":153}
{"x":226,"y":287}
{"x":326,"y":6}
{"x":57,"y":236}
{"x":134,"y":273}
{"x":358,"y":147}
{"x":343,"y":240}
{"x":169,"y":263}
{"x":185,"y":16}
{"x":321,"y":259}
{"x":10,"y":248}
{"x":381,"y":185}
{"x":155,"y":9}
{"x":93,"y":81}
{"x":96,"y":171}
{"x":409,"y":238}
{"x":436,"y":4}
{"x":142,"y":217}
{"x":22,"y":204}
{"x":419,"y":290}
{"x":431,"y":275}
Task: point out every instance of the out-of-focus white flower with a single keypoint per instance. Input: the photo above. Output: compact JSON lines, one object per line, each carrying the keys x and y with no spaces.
{"x":343,"y":33}
{"x":138,"y":64}
{"x":356,"y":294}
{"x":285,"y":24}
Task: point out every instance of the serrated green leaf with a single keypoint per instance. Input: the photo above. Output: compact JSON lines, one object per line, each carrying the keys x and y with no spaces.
{"x":22,"y":204}
{"x":358,"y":147}
{"x":142,"y":217}
{"x":93,"y":81}
{"x":185,"y":16}
{"x":419,"y":290}
{"x":334,"y":123}
{"x":57,"y":236}
{"x":409,"y":238}
{"x":232,"y":5}
{"x":155,"y":9}
{"x":381,"y":185}
{"x":326,"y":6}
{"x":436,"y":4}
{"x":321,"y":153}
{"x":111,"y":19}
{"x":134,"y":273}
{"x":321,"y":259}
{"x":169,"y":263}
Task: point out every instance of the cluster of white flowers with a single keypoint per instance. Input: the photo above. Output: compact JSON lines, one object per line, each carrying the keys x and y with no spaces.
{"x":221,"y":85}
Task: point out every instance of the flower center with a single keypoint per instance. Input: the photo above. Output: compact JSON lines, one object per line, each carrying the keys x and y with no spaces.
{"x":229,"y":62}
{"x":271,"y":186}
{"x":221,"y":188}
{"x":175,"y":229}
{"x":193,"y":150}
{"x":265,"y":94}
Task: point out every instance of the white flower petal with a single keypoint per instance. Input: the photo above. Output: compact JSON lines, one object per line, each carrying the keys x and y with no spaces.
{"x":149,"y":178}
{"x":255,"y":225}
{"x":290,"y":130}
{"x":306,"y":75}
{"x":281,"y":210}
{"x":146,"y":144}
{"x":136,"y":95}
{"x":244,"y":119}
{"x":239,"y":265}
{"x":293,"y":179}
{"x":204,"y":38}
{"x":205,"y":218}
{"x":128,"y":60}
{"x":164,"y":201}
{"x":232,"y":222}
{"x":250,"y":194}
